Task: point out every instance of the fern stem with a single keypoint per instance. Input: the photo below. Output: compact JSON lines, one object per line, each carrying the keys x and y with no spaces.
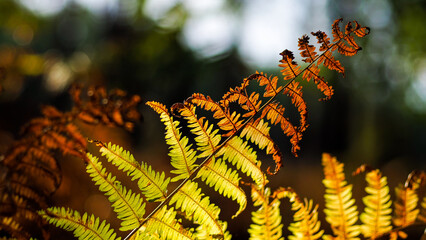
{"x":216,"y":150}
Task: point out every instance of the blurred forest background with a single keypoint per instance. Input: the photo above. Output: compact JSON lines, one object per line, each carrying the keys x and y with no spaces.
{"x":166,"y":50}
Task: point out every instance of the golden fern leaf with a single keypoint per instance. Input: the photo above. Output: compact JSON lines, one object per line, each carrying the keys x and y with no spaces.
{"x":306,"y":225}
{"x":258,"y":133}
{"x":183,"y":157}
{"x":224,"y":180}
{"x":152,"y":184}
{"x":376,"y":217}
{"x":340,"y":209}
{"x":195,"y":205}
{"x":83,"y":227}
{"x":207,"y":138}
{"x":406,"y":210}
{"x":242,"y":156}
{"x":165,"y":224}
{"x":128,"y":206}
{"x":267,"y":219}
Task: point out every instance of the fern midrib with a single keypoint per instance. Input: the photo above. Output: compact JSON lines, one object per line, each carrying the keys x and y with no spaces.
{"x":164,"y":224}
{"x":247,"y":159}
{"x":251,"y":103}
{"x":182,"y":149}
{"x":205,"y":133}
{"x":379,"y":207}
{"x":76,"y":222}
{"x":405,"y":212}
{"x":290,"y":125}
{"x":230,"y":119}
{"x":309,"y":52}
{"x":260,"y":133}
{"x":209,"y":214}
{"x":268,"y":226}
{"x":116,"y":190}
{"x":223,"y":177}
{"x":135,"y":167}
{"x":289,"y":63}
{"x":332,"y":62}
{"x":306,"y":221}
{"x":207,"y":159}
{"x":343,"y":219}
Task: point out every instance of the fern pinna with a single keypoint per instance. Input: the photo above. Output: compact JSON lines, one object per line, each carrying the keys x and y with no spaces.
{"x":238,"y":127}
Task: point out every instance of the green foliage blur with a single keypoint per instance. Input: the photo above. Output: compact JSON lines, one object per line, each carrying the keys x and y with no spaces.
{"x":378,"y":115}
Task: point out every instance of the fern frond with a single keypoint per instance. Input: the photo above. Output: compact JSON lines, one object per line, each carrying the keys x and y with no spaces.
{"x":406,"y":210}
{"x":340,"y":209}
{"x":193,"y":203}
{"x":376,"y":217}
{"x":83,"y":227}
{"x":128,"y":206}
{"x":254,"y":128}
{"x":306,"y":225}
{"x":152,"y":184}
{"x":224,"y":180}
{"x":165,"y":224}
{"x":267,"y":219}
{"x":183,"y":157}
{"x":242,"y":156}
